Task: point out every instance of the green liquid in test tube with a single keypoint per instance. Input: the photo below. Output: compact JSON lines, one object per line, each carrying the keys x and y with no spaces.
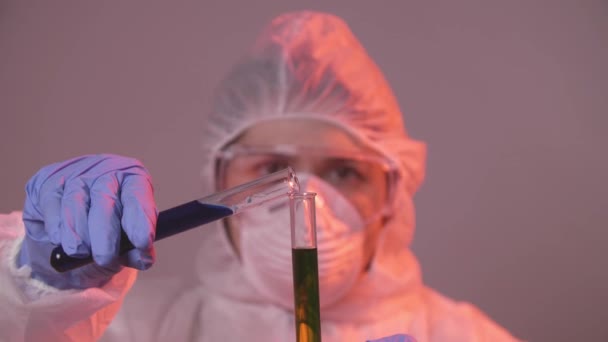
{"x":305,"y":267}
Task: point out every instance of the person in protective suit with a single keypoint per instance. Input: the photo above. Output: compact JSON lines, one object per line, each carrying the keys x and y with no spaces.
{"x":307,"y":95}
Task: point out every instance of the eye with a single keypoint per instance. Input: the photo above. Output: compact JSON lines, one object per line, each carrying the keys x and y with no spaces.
{"x":345,"y":173}
{"x":270,"y":166}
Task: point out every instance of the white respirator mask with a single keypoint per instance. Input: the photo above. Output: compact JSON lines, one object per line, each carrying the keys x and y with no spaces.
{"x":266,"y":245}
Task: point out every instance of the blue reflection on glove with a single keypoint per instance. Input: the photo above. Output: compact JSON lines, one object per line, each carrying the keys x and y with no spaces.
{"x":81,"y":204}
{"x":395,"y":338}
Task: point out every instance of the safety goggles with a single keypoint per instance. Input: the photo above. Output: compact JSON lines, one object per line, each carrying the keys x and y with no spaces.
{"x":367,"y":179}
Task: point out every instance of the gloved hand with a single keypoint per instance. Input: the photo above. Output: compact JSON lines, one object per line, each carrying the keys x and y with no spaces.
{"x":395,"y":338}
{"x":81,"y":204}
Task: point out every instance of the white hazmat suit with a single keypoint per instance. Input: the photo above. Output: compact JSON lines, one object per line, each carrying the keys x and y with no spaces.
{"x":304,"y":64}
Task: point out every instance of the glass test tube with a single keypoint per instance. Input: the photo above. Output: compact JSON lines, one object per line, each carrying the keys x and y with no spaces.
{"x":199,"y":212}
{"x":305,"y":267}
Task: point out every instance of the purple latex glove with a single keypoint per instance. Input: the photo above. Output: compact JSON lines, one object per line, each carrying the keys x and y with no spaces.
{"x":82,"y":204}
{"x":395,"y":338}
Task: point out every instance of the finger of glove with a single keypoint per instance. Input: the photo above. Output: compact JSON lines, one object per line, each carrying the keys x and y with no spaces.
{"x":75,"y":205}
{"x":139,"y":217}
{"x":33,"y":217}
{"x":138,"y":259}
{"x":41,"y":212}
{"x":50,"y":206}
{"x":104,"y":220}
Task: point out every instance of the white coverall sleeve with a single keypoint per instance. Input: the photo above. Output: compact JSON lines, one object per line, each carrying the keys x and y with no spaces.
{"x":460,"y":321}
{"x":33,"y":311}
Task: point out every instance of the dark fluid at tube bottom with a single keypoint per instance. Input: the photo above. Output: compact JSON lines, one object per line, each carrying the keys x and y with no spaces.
{"x":306,"y":294}
{"x":187,"y":216}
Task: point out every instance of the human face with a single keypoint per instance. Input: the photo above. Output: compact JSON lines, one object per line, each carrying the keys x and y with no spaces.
{"x":362,"y":180}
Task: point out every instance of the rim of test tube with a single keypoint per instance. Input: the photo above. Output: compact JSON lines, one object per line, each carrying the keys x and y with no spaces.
{"x":299,"y":195}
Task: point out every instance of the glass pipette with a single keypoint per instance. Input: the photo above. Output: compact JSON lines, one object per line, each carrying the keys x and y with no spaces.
{"x":199,"y":212}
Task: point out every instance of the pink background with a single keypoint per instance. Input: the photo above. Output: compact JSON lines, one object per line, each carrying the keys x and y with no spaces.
{"x":511,"y":96}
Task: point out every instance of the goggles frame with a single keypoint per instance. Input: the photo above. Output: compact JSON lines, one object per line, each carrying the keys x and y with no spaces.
{"x":224,"y":156}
